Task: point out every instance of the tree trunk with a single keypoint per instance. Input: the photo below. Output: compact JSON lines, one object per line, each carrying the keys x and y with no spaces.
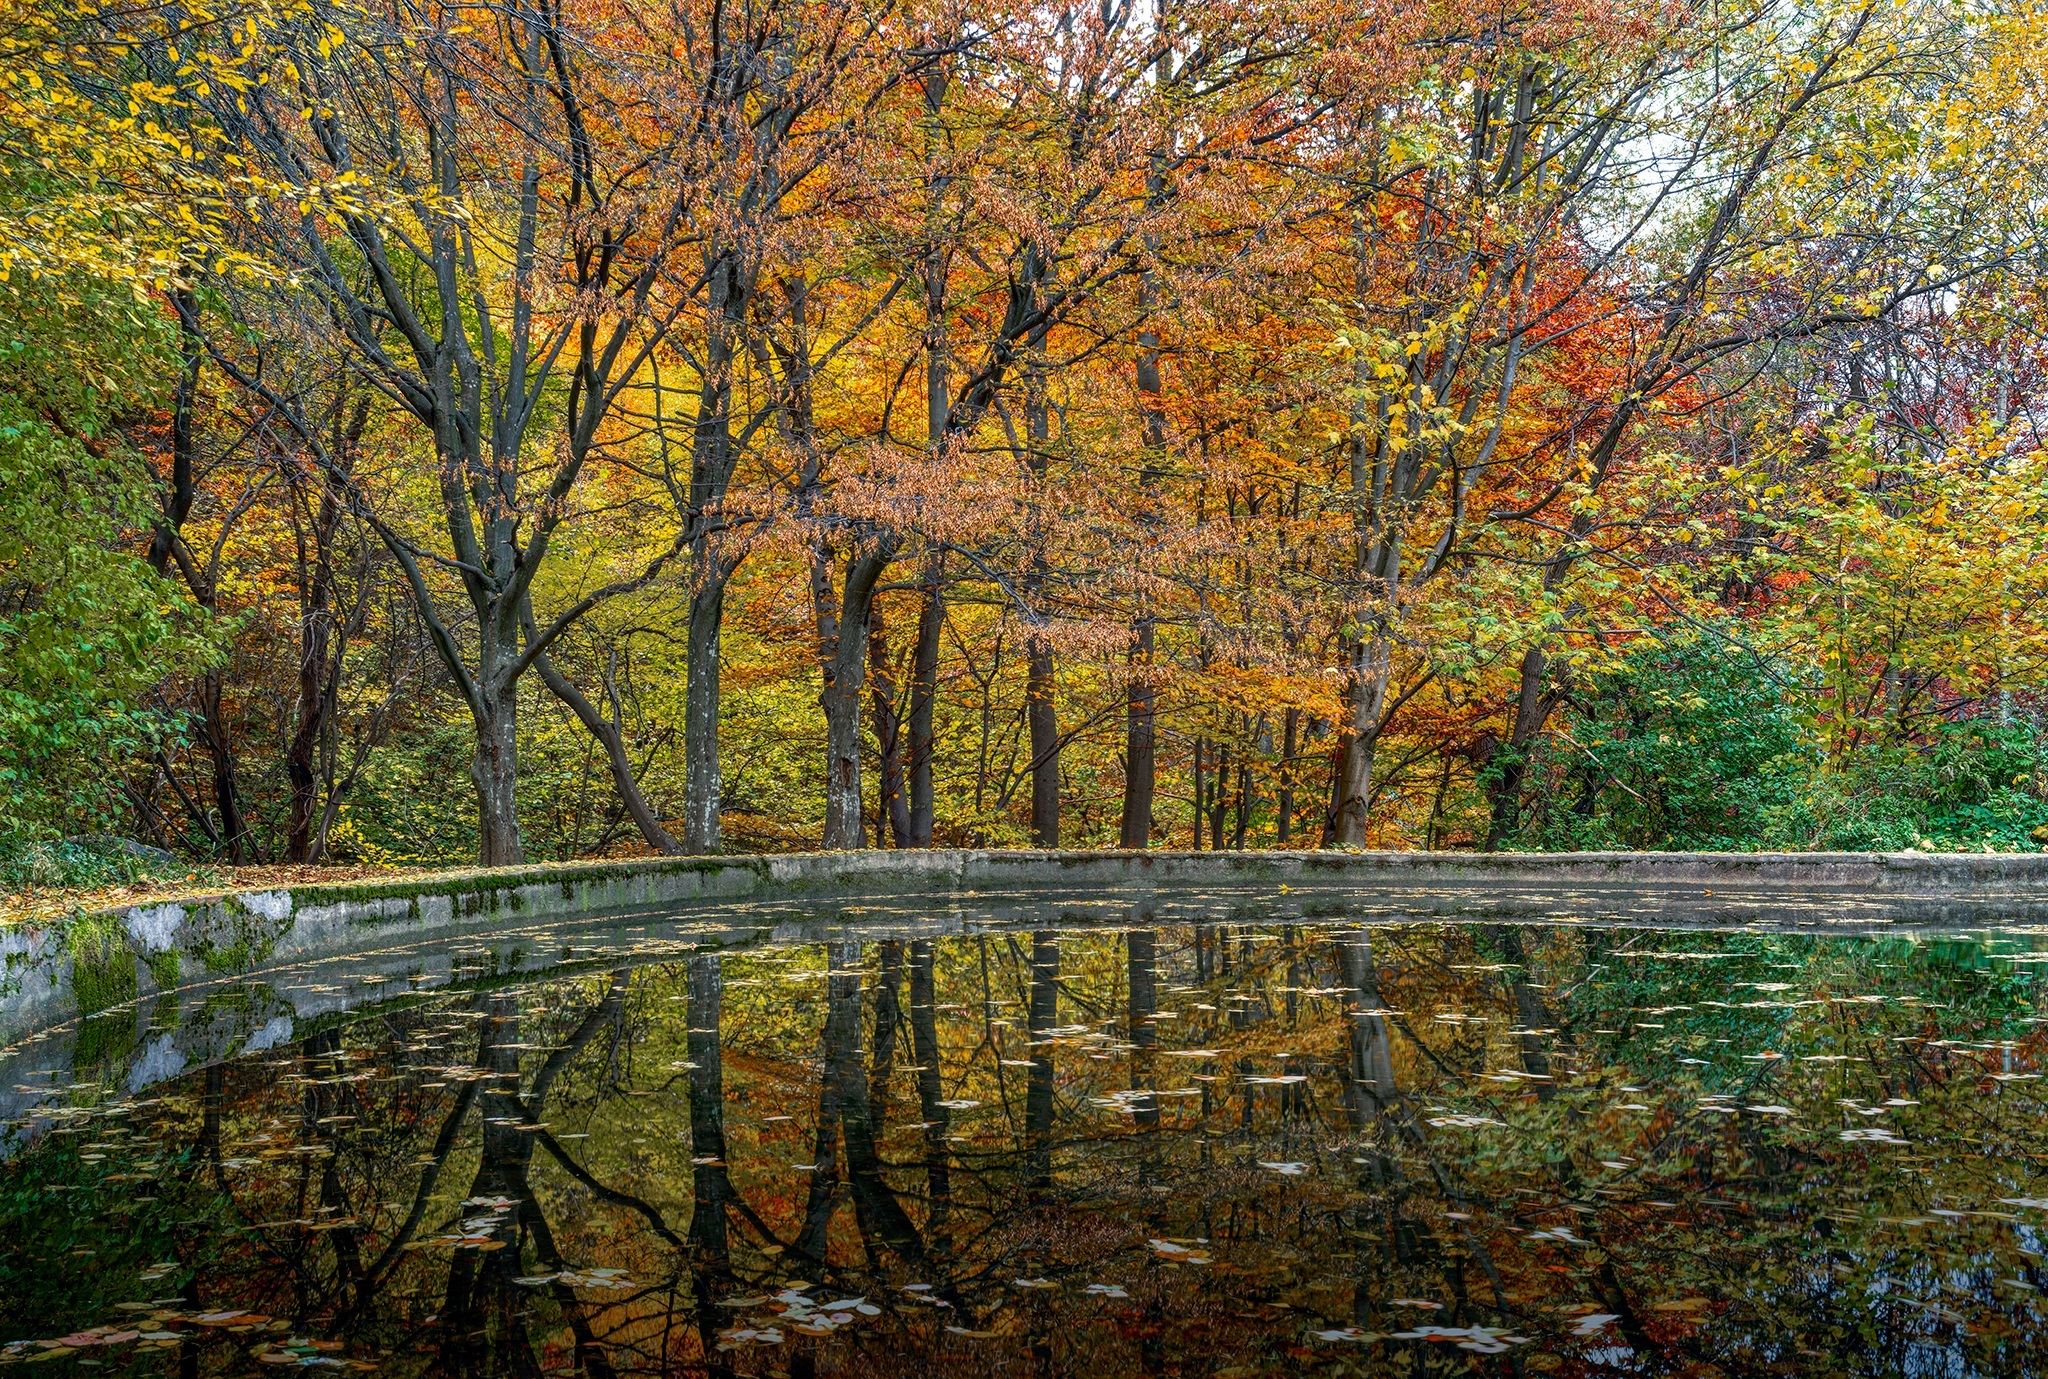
{"x":1244,"y":804}
{"x":924,"y":686}
{"x":317,"y":679}
{"x":1533,"y":703}
{"x":1045,"y":747}
{"x":315,"y":706}
{"x":846,"y":674}
{"x":938,"y":404}
{"x":495,"y":771}
{"x":892,"y":809}
{"x":1039,"y":710}
{"x":1217,"y":800}
{"x":731,"y":287}
{"x":1334,"y":794}
{"x":1371,"y":665}
{"x":1283,"y":794}
{"x":1140,"y":740}
{"x":1140,"y":774}
{"x":227,"y":793}
{"x":703,"y":785}
{"x":178,"y":503}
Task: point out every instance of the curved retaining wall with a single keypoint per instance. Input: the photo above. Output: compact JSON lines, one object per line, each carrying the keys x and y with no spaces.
{"x":56,"y":973}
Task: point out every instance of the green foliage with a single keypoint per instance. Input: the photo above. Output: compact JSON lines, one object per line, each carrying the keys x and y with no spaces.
{"x":86,"y":626}
{"x":1965,"y":786}
{"x":414,"y":803}
{"x":85,"y":862}
{"x":1686,"y":746}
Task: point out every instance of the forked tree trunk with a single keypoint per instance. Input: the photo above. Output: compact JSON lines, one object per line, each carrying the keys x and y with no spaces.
{"x":203,"y":581}
{"x":610,"y":737}
{"x":317,"y":687}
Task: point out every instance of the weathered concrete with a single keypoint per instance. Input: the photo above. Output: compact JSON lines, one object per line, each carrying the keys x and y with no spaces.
{"x":61,"y":973}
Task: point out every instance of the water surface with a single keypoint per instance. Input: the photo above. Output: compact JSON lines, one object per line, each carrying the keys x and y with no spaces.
{"x":1098,"y":1143}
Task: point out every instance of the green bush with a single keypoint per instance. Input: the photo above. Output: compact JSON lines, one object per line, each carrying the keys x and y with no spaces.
{"x":1687,"y":746}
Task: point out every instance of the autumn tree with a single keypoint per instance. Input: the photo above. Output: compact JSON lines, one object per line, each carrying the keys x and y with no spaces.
{"x":480,"y":206}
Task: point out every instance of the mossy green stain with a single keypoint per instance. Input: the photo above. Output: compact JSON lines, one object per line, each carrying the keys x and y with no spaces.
{"x":102,"y":967}
{"x":231,"y":957}
{"x":166,"y":968}
{"x":248,"y":940}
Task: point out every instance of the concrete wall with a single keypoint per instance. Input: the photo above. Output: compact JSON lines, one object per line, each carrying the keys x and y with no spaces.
{"x":53,"y":974}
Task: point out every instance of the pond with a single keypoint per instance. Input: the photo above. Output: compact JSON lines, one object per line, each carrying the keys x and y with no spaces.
{"x":1062,"y":1142}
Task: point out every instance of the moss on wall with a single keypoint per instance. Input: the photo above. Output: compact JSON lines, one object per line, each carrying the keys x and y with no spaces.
{"x":238,"y":939}
{"x":102,"y":964}
{"x":166,"y":968}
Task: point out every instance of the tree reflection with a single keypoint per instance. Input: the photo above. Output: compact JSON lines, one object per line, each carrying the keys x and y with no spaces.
{"x":1044,"y":1020}
{"x":924,"y":1037}
{"x":1141,"y":954}
{"x":1229,"y":1142}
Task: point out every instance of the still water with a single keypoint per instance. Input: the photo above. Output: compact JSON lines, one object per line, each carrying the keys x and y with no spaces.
{"x":1083,"y":1145}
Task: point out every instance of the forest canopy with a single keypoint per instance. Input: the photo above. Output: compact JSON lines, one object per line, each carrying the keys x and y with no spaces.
{"x":515,"y":430}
